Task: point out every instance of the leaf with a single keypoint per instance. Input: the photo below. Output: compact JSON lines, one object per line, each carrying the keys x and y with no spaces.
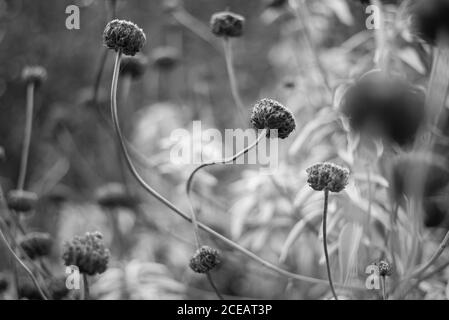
{"x":348,"y":246}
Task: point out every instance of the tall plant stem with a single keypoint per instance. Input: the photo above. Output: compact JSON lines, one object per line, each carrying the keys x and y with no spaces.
{"x":27,"y":136}
{"x":180,"y":213}
{"x":232,"y":78}
{"x":384,"y":287}
{"x":326,"y":254}
{"x":86,"y":294}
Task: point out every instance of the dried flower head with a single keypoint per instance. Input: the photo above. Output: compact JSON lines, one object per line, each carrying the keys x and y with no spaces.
{"x":22,"y":200}
{"x":34,"y":74}
{"x":385,"y":268}
{"x":165,"y":57}
{"x":134,"y":66}
{"x":431,"y":19}
{"x":115,"y":195}
{"x":329,"y":176}
{"x":36,"y":244}
{"x":227,"y":24}
{"x":204,"y":259}
{"x":125,"y":36}
{"x":88,"y":253}
{"x":272,"y":115}
{"x":384,"y":106}
{"x":4,"y":283}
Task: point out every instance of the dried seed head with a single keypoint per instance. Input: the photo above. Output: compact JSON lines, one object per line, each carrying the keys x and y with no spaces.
{"x":21,"y":200}
{"x":431,"y":19}
{"x":36,"y":244}
{"x":204,"y":259}
{"x":272,"y":115}
{"x":125,"y":36}
{"x":34,"y":74}
{"x":88,"y":253}
{"x":385,"y":268}
{"x":227,"y":24}
{"x":4,"y":283}
{"x":165,"y":57}
{"x":328,"y":176}
{"x":115,"y":195}
{"x":134,"y":66}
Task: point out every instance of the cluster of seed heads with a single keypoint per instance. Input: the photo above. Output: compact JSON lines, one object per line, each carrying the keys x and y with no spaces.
{"x":327,"y":176}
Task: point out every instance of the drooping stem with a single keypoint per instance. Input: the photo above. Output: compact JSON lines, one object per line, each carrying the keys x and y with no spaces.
{"x":27,"y":136}
{"x":326,"y":254}
{"x":232,"y":78}
{"x":183,"y":215}
{"x":86,"y":294}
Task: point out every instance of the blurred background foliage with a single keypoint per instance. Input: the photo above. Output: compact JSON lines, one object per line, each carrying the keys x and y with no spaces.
{"x":278,"y":216}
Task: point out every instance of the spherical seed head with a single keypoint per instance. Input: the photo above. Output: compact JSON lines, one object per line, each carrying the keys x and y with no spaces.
{"x":165,"y":57}
{"x":328,"y":176}
{"x":204,"y":259}
{"x":22,"y":200}
{"x":134,"y":66}
{"x":227,"y":24}
{"x":4,"y":282}
{"x":430,"y":19}
{"x":34,"y":74}
{"x":88,"y":253}
{"x":36,"y":244}
{"x":125,"y":36}
{"x":113,"y":195}
{"x":385,"y":268}
{"x":272,"y":115}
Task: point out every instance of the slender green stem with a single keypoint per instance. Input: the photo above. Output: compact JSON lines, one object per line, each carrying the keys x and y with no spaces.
{"x":232,"y":78}
{"x":326,"y":254}
{"x":27,"y":136}
{"x":86,"y":294}
{"x":183,"y":215}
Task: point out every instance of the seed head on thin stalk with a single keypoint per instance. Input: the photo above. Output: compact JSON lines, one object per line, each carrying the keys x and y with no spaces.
{"x":205,"y":259}
{"x":36,"y":244}
{"x":327,"y":177}
{"x":124,"y":36}
{"x":34,"y":74}
{"x":22,"y":201}
{"x":227,"y":24}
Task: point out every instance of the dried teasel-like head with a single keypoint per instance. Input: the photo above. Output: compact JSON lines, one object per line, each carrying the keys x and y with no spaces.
{"x":134,"y":66}
{"x":88,"y":253}
{"x":327,"y":175}
{"x":36,"y":244}
{"x":272,"y":115}
{"x":385,"y":268}
{"x":34,"y":74}
{"x":165,"y":57}
{"x":22,"y":200}
{"x":430,"y":19}
{"x":125,"y":36}
{"x":227,"y":24}
{"x":204,"y":259}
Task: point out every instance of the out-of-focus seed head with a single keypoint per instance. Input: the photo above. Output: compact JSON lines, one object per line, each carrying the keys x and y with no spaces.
{"x":36,"y":244}
{"x":227,"y":24}
{"x":4,"y":283}
{"x":58,"y":288}
{"x":88,"y":253}
{"x":115,"y":194}
{"x":275,"y":3}
{"x":134,"y":66}
{"x":165,"y":57}
{"x":384,"y":106}
{"x":125,"y":36}
{"x":272,"y":115}
{"x":34,"y":74}
{"x":204,"y":259}
{"x":385,"y":268}
{"x":21,"y":200}
{"x":170,"y":5}
{"x":431,"y":19}
{"x":326,"y":175}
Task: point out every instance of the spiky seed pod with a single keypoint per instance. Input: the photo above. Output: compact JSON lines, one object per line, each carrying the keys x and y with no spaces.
{"x":165,"y":57}
{"x":34,"y":74}
{"x":113,"y":195}
{"x":227,"y":24}
{"x":125,"y":36}
{"x":384,"y":106}
{"x":22,"y":200}
{"x":4,"y":283}
{"x":204,"y":259}
{"x":134,"y":66}
{"x":272,"y":115}
{"x":385,"y":268}
{"x":327,"y":175}
{"x":88,"y":253}
{"x":36,"y":244}
{"x":431,"y":19}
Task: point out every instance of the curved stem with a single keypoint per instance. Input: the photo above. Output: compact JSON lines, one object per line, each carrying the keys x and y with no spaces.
{"x":326,"y":254}
{"x":183,"y":215}
{"x":232,"y":78}
{"x":209,"y":277}
{"x":27,"y":136}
